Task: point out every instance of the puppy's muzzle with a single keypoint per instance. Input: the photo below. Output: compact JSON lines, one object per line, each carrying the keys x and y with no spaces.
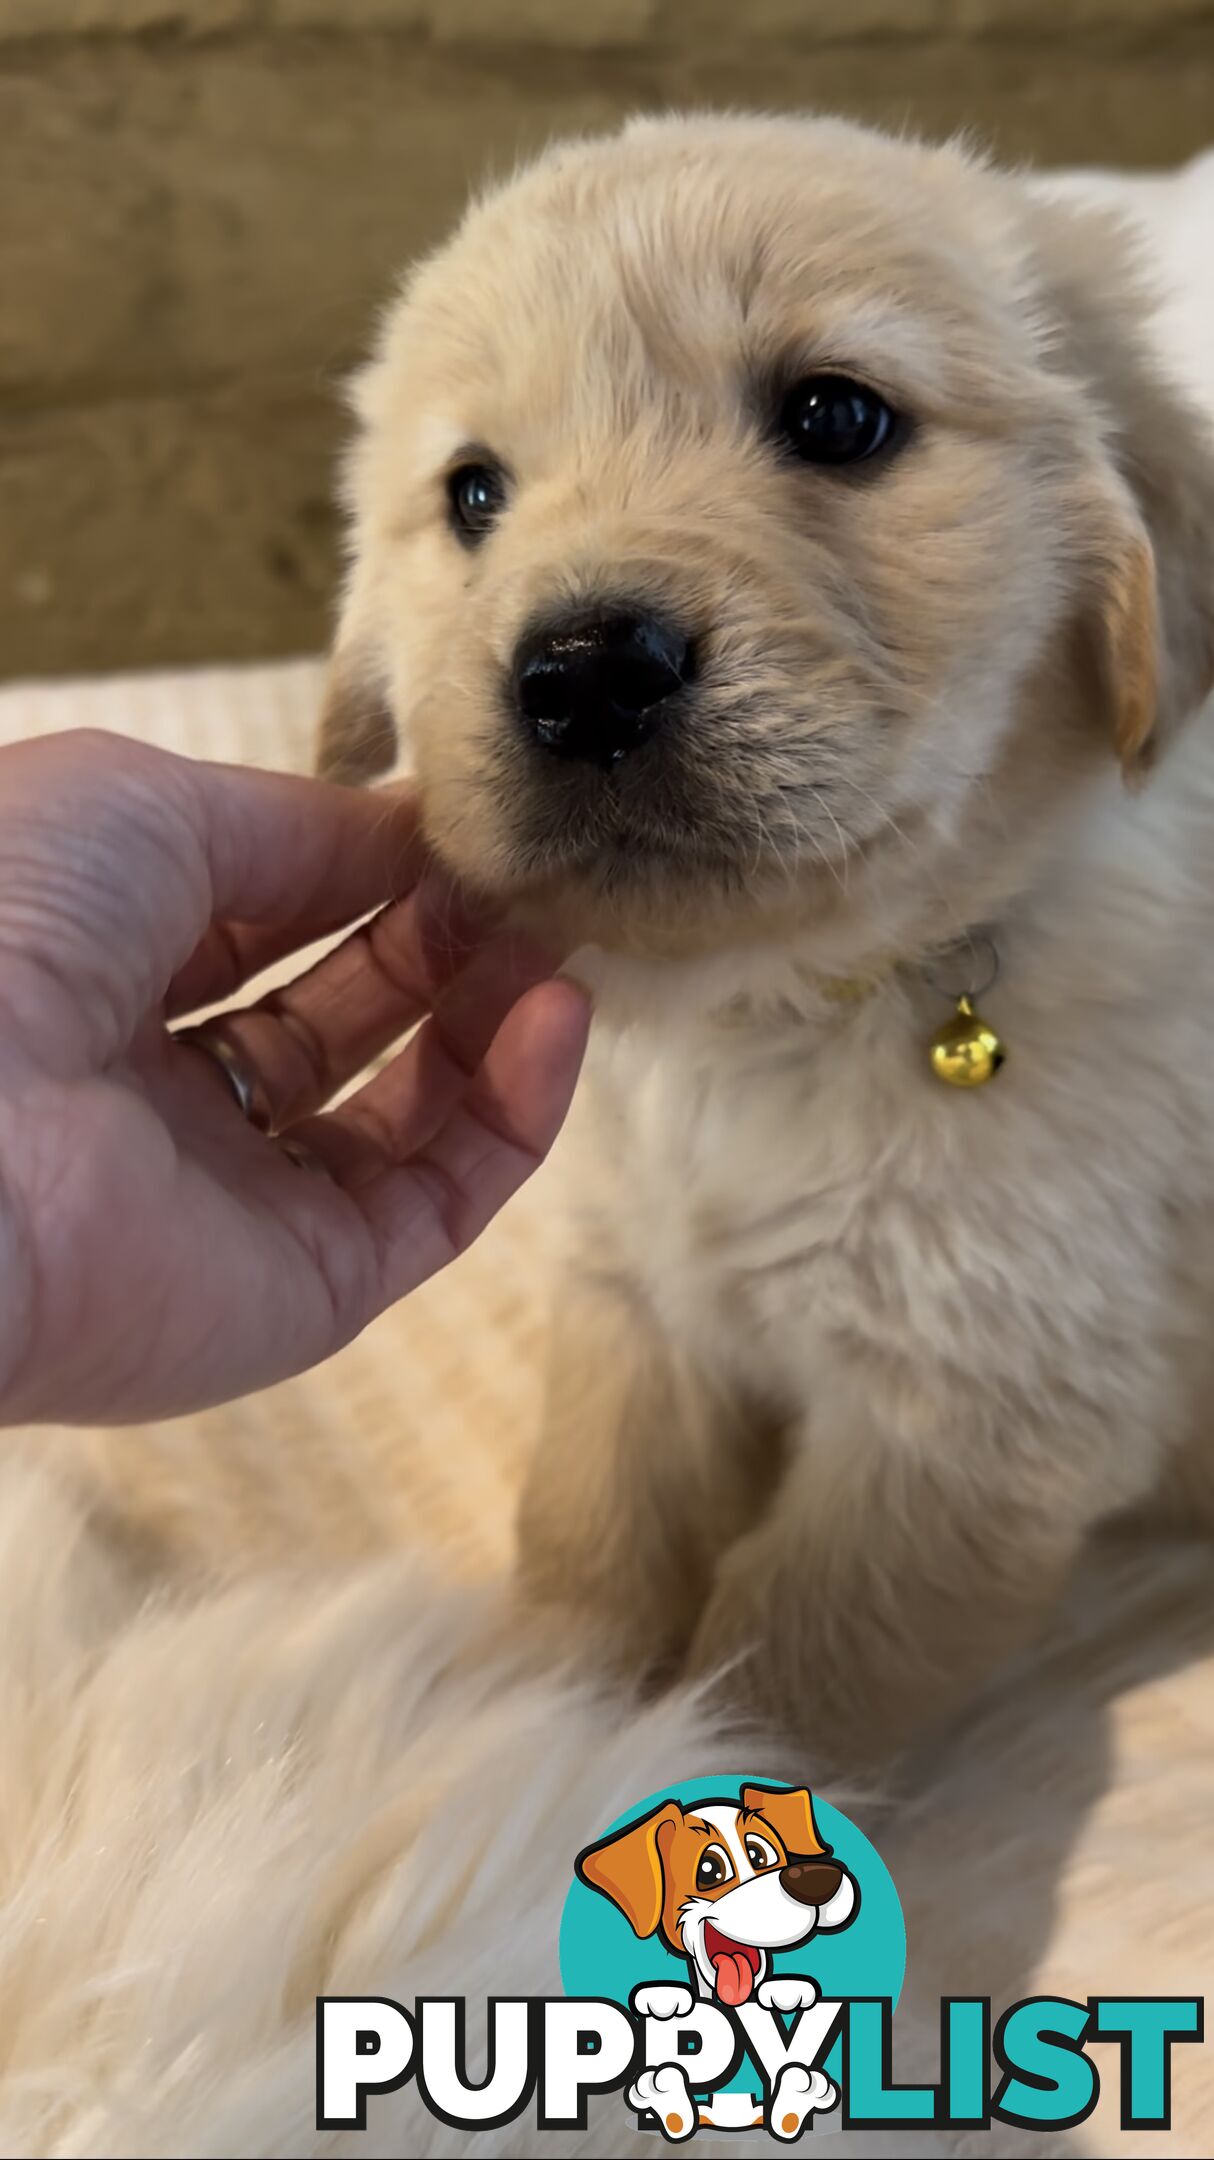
{"x":811,"y":1882}
{"x":594,"y":687}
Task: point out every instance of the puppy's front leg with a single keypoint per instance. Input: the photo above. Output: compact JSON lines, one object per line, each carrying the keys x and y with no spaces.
{"x":869,"y":1604}
{"x":644,"y":1472}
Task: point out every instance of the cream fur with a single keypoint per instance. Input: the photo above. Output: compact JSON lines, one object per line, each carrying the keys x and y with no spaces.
{"x":215,"y":1801}
{"x":854,"y":1364}
{"x":215,"y":1805}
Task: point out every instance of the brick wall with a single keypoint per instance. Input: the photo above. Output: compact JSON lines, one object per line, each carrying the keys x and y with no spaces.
{"x":201,"y":202}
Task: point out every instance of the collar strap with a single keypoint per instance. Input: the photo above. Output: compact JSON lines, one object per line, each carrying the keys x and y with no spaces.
{"x":966,"y":967}
{"x":851,"y":989}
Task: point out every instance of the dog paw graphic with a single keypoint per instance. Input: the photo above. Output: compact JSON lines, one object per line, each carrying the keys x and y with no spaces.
{"x":798,"y":2094}
{"x":787,"y":1992}
{"x":665,"y":2092}
{"x":663,"y":2000}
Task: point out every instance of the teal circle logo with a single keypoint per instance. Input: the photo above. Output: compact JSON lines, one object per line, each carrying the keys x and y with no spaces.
{"x":600,"y":1954}
{"x":722,"y":1885}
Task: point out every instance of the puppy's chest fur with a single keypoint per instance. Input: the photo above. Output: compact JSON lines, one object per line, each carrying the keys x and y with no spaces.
{"x":806,"y":1209}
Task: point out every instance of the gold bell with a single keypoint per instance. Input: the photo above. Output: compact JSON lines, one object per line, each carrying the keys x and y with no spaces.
{"x":966,"y":1052}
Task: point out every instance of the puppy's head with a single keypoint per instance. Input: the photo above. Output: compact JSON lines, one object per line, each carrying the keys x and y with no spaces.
{"x":760,"y":522}
{"x":724,"y":1885}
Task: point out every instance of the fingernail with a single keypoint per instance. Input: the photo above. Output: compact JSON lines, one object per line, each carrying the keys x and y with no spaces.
{"x":302,"y":1157}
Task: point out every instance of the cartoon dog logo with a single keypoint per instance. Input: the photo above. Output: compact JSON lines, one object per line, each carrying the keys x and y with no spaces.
{"x":724,"y":1885}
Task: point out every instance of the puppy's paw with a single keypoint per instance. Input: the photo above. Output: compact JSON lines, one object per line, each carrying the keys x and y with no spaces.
{"x":787,"y":1992}
{"x":798,"y":2094}
{"x":664,"y":2092}
{"x":663,"y":1999}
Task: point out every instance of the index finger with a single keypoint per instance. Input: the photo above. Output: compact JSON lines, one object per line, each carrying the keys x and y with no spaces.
{"x":281,"y":849}
{"x":356,"y":861}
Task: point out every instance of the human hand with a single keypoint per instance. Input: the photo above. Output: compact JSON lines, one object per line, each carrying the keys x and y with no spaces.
{"x":158,"y":1252}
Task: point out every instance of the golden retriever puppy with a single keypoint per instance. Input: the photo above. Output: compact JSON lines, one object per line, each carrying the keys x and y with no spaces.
{"x":792,"y":576}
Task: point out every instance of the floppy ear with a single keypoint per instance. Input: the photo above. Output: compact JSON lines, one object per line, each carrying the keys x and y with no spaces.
{"x":1127,"y":639}
{"x":1160,"y":606}
{"x":791,"y":1815}
{"x":356,"y":739}
{"x":1149,"y":514}
{"x":627,"y":1868}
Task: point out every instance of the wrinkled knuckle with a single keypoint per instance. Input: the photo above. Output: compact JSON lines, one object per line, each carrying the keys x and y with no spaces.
{"x":382,"y":940}
{"x":305,"y":1041}
{"x":450,"y":1203}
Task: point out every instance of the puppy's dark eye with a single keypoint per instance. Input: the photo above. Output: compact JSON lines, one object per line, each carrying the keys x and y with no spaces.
{"x":713,"y":1869}
{"x":477,"y":495}
{"x":832,"y":420}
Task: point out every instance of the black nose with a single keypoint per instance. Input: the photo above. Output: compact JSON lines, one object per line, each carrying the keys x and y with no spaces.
{"x":596,"y":686}
{"x":811,"y":1882}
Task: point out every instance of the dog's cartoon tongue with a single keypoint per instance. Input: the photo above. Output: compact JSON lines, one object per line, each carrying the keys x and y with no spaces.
{"x":736,"y":1966}
{"x":734,"y":1976}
